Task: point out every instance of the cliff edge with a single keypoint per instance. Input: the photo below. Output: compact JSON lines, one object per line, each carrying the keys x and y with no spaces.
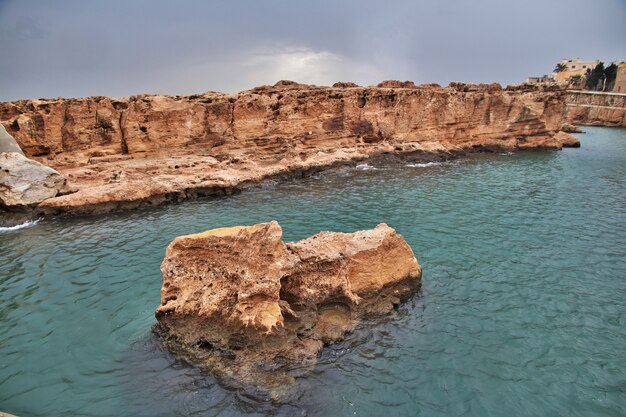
{"x":150,"y":149}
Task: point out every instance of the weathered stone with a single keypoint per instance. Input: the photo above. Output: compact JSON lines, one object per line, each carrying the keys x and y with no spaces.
{"x":230,"y":274}
{"x":566,"y":140}
{"x":396,"y":84}
{"x":249,"y":307}
{"x":362,"y":263}
{"x":24,"y":182}
{"x":151,"y":149}
{"x":569,"y":128}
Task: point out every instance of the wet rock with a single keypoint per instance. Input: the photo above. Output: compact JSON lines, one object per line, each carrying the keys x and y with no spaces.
{"x":566,"y":140}
{"x":15,"y":218}
{"x":569,"y":128}
{"x":25,"y":183}
{"x":257,"y":311}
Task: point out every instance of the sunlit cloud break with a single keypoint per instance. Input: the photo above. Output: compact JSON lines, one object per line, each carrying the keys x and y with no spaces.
{"x":306,"y":65}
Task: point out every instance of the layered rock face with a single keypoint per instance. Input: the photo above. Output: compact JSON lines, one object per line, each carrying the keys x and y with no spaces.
{"x":147,"y":150}
{"x":286,"y":116}
{"x":249,"y":307}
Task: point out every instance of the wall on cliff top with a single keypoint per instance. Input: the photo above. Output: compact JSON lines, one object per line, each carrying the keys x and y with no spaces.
{"x":276,"y":117}
{"x":596,"y":108}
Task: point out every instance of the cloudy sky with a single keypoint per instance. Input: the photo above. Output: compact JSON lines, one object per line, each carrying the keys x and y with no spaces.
{"x":74,"y":48}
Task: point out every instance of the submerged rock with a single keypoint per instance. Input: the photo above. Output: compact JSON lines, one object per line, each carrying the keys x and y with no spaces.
{"x":249,"y":307}
{"x":25,"y":183}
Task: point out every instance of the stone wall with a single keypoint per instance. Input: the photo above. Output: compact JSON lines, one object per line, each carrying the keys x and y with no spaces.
{"x":596,"y":108}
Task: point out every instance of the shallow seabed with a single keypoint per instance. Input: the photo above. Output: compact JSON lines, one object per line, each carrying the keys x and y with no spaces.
{"x":522,"y":311}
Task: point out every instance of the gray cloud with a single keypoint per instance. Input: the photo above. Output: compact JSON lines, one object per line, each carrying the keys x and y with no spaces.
{"x":78,"y":48}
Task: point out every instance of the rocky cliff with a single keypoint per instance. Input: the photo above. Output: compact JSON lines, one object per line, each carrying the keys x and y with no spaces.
{"x":282,"y":117}
{"x":128,"y":152}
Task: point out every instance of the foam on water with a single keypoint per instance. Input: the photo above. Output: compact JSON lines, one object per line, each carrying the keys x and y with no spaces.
{"x":24,"y":225}
{"x":366,"y":167}
{"x":426,"y":164}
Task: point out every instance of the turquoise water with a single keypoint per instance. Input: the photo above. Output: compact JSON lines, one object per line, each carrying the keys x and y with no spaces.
{"x":522,"y":311}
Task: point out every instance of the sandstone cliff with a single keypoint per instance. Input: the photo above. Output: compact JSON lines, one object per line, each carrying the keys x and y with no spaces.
{"x":140,"y":150}
{"x":283,"y":117}
{"x":255,"y":310}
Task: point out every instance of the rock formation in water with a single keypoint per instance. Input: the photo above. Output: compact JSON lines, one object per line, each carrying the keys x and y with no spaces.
{"x":146,"y":150}
{"x":569,"y":128}
{"x":25,"y":183}
{"x":244,"y":304}
{"x":568,"y":141}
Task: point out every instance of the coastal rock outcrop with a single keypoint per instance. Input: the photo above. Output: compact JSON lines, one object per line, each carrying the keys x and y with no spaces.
{"x":25,"y":183}
{"x":569,"y":128}
{"x":125,"y":153}
{"x":282,"y":119}
{"x":567,"y":140}
{"x":249,"y":307}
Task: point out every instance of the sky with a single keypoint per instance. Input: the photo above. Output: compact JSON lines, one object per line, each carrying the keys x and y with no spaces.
{"x":77,"y":48}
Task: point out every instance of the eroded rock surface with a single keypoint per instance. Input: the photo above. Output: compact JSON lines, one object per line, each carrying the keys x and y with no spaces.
{"x":124,"y":153}
{"x":257,"y":311}
{"x":567,"y":140}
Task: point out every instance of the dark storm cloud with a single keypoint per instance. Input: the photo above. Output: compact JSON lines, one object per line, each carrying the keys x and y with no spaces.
{"x":79,"y":48}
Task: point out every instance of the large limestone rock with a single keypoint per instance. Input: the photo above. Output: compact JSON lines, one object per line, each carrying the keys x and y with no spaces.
{"x":248,"y":306}
{"x":24,"y":182}
{"x":230,"y":274}
{"x":7,"y":142}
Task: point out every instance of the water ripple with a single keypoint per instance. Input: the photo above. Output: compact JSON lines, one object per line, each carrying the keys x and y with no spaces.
{"x":522,"y":311}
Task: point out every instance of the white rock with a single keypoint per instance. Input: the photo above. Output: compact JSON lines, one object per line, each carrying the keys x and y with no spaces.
{"x":24,"y":182}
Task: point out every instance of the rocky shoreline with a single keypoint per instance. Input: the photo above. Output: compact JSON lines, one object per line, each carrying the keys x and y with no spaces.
{"x":142,"y":151}
{"x":140,"y":194}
